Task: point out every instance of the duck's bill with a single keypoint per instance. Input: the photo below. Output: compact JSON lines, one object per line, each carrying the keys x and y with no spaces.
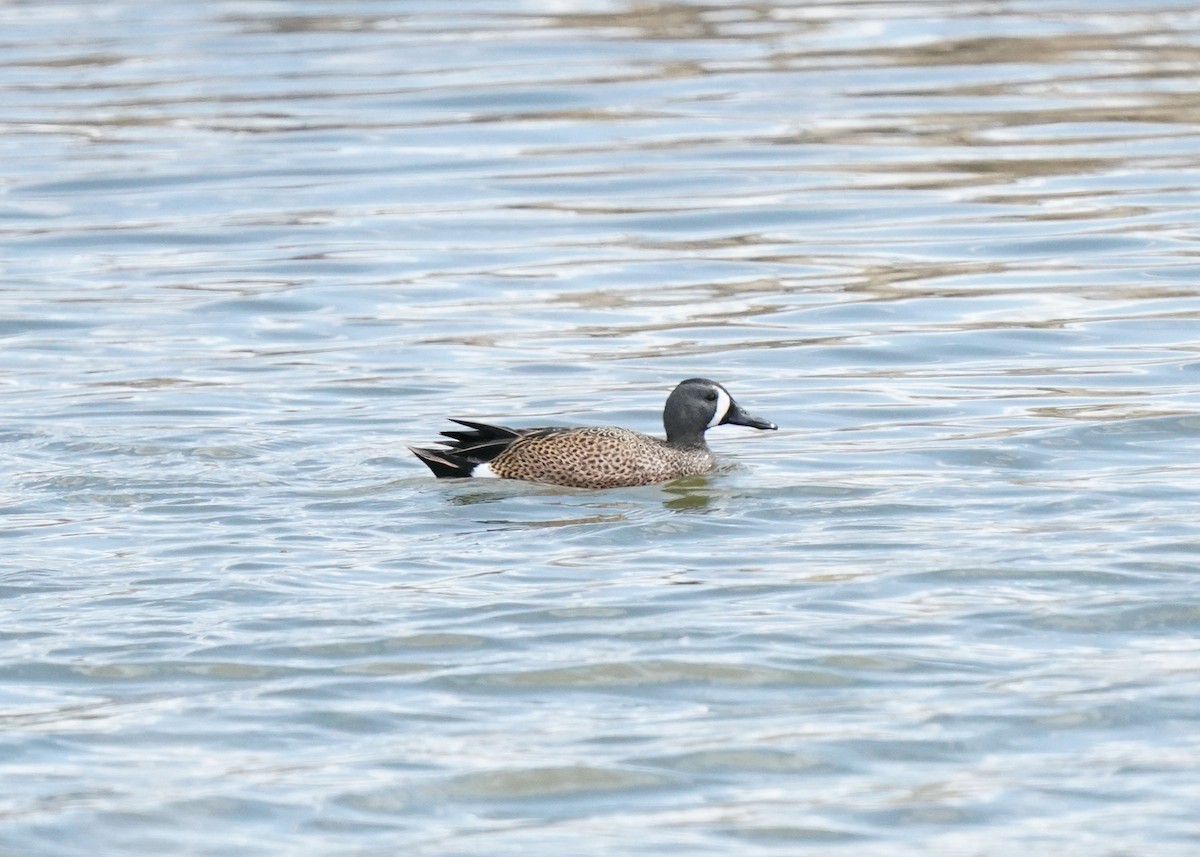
{"x":738,"y":417}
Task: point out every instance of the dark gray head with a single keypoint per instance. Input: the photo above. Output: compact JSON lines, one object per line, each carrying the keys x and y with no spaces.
{"x":697,"y":405}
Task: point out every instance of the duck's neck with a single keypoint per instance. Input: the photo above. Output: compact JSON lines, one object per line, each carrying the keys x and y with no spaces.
{"x":684,"y":438}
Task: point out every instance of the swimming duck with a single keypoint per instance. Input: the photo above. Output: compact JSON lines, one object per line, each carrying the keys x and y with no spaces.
{"x":600,"y":456}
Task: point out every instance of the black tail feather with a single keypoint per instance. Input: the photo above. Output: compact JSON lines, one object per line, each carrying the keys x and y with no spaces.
{"x":478,"y":452}
{"x":484,"y":431}
{"x":466,"y":449}
{"x":444,"y":463}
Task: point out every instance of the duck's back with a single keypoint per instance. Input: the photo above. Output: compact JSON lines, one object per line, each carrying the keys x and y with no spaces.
{"x":597,"y":457}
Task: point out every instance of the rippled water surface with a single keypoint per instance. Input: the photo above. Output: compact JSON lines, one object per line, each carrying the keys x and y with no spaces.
{"x":252,"y":250}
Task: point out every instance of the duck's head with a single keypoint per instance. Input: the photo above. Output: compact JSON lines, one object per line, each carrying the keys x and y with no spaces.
{"x":697,"y":405}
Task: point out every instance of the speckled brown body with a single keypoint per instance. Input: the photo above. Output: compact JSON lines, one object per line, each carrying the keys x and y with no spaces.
{"x":600,"y":457}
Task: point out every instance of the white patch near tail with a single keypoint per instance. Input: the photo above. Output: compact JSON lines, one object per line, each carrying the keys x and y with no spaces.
{"x":483,"y":471}
{"x":723,"y":403}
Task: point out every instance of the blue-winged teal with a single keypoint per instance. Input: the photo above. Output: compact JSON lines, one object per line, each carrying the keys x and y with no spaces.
{"x":600,"y":457}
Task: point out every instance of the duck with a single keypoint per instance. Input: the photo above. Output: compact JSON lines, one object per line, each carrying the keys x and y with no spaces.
{"x":595,"y":456}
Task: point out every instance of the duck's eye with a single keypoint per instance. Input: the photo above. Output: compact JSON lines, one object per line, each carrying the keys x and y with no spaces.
{"x":710,"y":396}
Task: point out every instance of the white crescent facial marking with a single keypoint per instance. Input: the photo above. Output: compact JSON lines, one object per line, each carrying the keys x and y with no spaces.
{"x":723,"y":403}
{"x":484,"y":471}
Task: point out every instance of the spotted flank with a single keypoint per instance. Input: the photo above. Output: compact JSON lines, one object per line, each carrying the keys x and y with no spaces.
{"x":595,"y":457}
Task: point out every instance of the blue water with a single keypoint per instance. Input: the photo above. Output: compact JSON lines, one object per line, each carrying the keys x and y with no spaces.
{"x":251,"y":251}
